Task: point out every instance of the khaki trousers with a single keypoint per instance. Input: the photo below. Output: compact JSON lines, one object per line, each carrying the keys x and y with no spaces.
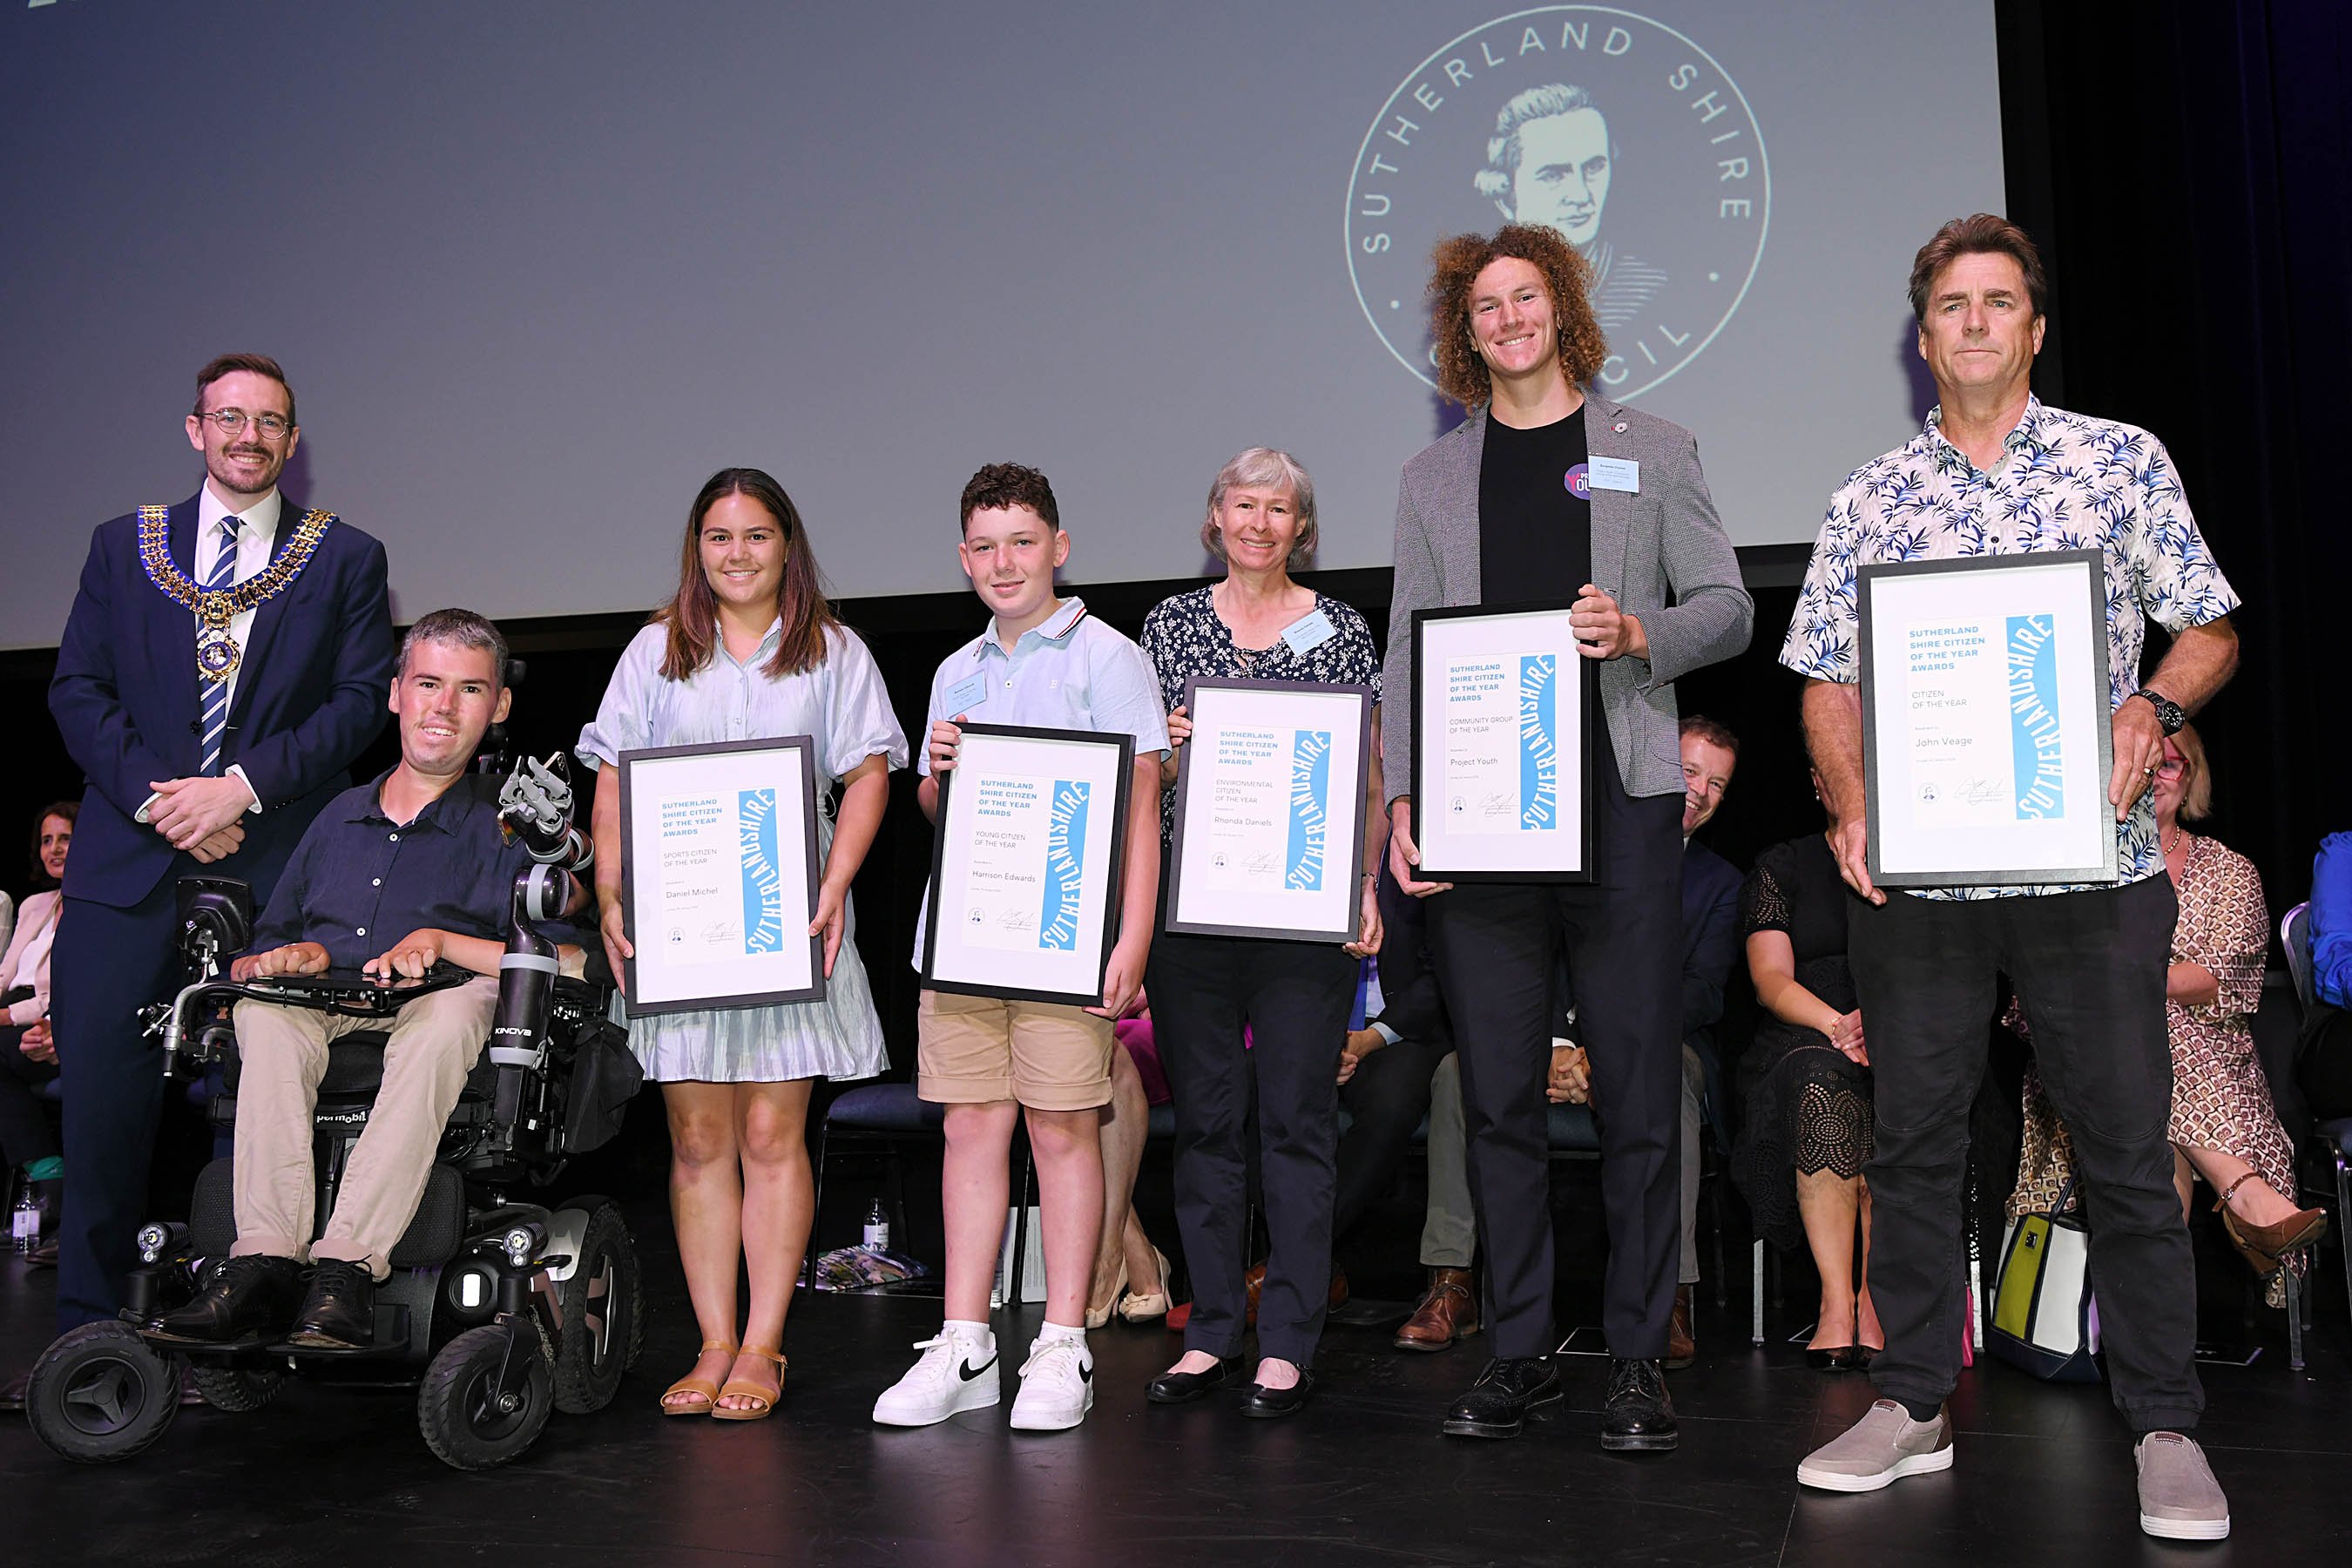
{"x":435,"y":1042}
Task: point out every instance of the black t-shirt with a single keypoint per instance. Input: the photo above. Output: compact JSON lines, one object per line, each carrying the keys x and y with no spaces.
{"x":1535,"y":532}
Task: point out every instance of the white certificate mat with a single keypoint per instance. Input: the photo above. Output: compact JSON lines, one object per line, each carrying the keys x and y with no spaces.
{"x":1501,"y":709}
{"x":719,"y":875}
{"x":1270,"y":811}
{"x":1986,"y":729}
{"x":1025,"y":867}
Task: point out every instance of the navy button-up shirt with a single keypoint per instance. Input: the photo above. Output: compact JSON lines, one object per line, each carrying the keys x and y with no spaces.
{"x":360,"y":881}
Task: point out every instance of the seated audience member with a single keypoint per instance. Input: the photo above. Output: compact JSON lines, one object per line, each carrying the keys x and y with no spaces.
{"x":1126,"y":1255}
{"x":1806,"y":1083}
{"x":2224,"y":1127}
{"x":2325,"y":1056}
{"x":1387,"y":1073}
{"x":420,"y":851}
{"x":28,"y":1052}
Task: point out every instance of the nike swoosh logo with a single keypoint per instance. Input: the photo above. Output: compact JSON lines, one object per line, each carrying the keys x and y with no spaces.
{"x":1085,"y":1374}
{"x":967,"y":1371}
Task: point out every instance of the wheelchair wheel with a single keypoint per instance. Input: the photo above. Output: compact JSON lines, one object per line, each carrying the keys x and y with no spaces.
{"x":463,"y":1425}
{"x":237,"y":1388}
{"x":101,"y":1393}
{"x":604,"y":1316}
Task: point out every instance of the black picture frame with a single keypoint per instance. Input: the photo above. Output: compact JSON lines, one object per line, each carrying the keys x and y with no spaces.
{"x":1172,"y":873}
{"x":629,"y":762}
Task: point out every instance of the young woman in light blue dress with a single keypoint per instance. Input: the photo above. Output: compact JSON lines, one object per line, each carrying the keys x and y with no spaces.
{"x":746,"y":649}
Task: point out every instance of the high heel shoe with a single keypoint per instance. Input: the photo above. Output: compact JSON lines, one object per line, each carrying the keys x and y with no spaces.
{"x":697,"y":1385}
{"x":2265,"y":1247}
{"x":744,"y":1388}
{"x":1836,"y":1358}
{"x":1098,"y":1316}
{"x":1136,"y":1308}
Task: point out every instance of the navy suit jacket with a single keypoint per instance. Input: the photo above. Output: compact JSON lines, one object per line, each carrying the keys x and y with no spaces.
{"x":311,"y":694}
{"x":1711,"y":886}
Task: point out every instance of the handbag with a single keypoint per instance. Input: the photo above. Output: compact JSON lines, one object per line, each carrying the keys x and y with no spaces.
{"x":2045,"y":1319}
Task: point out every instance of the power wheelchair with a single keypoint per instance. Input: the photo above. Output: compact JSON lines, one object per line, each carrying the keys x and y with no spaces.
{"x":500,"y":1310}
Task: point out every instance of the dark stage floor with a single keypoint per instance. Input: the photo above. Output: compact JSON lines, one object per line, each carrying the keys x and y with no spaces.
{"x":329,"y":1476}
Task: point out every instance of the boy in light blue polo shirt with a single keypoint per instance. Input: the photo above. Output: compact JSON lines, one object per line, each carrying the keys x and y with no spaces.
{"x":1043,"y":662}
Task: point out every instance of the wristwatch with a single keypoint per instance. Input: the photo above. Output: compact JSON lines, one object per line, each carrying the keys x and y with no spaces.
{"x":2167,"y":711}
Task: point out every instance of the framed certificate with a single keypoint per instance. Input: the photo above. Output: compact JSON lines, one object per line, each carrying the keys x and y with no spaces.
{"x":1502,"y":714}
{"x":1025,"y":865}
{"x":1270,"y":810}
{"x":720,"y":874}
{"x":1986,"y":743}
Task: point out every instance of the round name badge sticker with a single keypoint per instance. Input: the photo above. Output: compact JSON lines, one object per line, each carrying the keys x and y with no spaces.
{"x":1578,"y":480}
{"x":1621,"y":132}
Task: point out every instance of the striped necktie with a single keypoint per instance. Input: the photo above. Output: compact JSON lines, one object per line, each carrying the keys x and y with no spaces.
{"x":216,"y":698}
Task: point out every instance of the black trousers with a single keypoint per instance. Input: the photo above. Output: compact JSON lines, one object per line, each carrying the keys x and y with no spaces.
{"x":1295,"y":997}
{"x":1495,"y":947}
{"x":2090,"y":972}
{"x":24,"y":1134}
{"x":1386,"y":1100}
{"x":106,"y":964}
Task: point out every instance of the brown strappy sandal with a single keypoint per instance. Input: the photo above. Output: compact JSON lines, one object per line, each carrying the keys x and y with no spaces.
{"x":709,"y":1390}
{"x":2265,"y":1247}
{"x":743,"y":1389}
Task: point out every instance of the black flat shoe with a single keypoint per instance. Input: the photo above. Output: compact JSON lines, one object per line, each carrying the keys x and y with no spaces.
{"x":1271,"y":1404}
{"x":339,"y":1313}
{"x":250,"y":1295}
{"x":1639,"y":1417}
{"x":1507,"y":1393}
{"x":1837,"y":1358}
{"x":1183,"y":1387}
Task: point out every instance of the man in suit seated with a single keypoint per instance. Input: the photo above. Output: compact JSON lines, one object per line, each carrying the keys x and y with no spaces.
{"x":420,"y":851}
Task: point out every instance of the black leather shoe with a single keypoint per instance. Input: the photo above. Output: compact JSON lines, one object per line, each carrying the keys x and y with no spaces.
{"x":12,"y":1393}
{"x":1507,"y":1393}
{"x":1271,"y":1404}
{"x":244,"y":1296}
{"x":339,"y":1313}
{"x":1638,"y":1416}
{"x":1183,"y":1387}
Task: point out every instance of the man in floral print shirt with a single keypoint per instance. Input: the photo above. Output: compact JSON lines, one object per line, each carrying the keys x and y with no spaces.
{"x":1996,"y":472}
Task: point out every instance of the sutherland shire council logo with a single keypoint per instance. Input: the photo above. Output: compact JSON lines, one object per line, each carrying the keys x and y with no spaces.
{"x":1617,"y":130}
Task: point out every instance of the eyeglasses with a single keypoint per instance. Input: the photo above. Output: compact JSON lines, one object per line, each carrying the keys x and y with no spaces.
{"x":271,"y":426}
{"x":2172,"y":767}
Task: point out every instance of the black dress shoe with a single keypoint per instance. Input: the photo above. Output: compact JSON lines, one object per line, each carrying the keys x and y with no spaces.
{"x":1271,"y":1404}
{"x":1183,"y":1387}
{"x":1638,"y":1416}
{"x":250,"y":1295}
{"x":12,"y":1392}
{"x":339,"y":1313}
{"x":1506,"y":1392}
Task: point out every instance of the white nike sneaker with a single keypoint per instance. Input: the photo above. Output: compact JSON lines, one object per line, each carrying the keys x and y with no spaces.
{"x":1057,"y":1386}
{"x":956,"y":1373}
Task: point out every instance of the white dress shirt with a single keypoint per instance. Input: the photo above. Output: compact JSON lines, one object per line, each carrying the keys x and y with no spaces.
{"x":257,"y":538}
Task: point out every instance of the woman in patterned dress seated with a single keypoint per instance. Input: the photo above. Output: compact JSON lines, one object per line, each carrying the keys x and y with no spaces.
{"x":2224,"y":1128}
{"x":1805,"y":1081}
{"x":746,"y":649}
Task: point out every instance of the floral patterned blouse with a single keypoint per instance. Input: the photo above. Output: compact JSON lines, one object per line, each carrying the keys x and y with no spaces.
{"x":2065,"y":482}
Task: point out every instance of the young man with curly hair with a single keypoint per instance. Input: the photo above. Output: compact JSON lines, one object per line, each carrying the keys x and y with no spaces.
{"x":1505,"y":509}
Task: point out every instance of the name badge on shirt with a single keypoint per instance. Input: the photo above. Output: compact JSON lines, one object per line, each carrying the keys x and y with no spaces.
{"x":966,"y":694}
{"x":1616,"y":474}
{"x":1308,"y":632}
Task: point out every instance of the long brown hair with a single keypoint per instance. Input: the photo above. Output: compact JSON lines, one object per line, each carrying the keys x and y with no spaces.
{"x":692,"y":614}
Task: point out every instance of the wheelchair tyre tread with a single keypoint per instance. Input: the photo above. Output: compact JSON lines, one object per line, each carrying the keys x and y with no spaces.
{"x":101,"y":1393}
{"x":604,"y":1316}
{"x":237,"y":1389}
{"x":453,"y":1409}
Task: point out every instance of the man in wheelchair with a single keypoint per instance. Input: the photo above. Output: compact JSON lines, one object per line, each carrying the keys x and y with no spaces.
{"x":393,"y":878}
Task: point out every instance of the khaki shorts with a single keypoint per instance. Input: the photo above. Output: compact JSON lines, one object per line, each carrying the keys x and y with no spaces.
{"x":1048,"y":1056}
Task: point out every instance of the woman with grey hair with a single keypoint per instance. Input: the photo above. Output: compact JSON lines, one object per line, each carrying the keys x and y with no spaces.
{"x":1230,"y":1010}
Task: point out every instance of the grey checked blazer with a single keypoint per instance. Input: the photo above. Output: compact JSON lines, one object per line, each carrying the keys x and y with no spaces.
{"x":1665,"y":538}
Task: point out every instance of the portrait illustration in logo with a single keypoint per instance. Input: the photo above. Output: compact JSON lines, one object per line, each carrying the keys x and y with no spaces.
{"x":1619,"y":131}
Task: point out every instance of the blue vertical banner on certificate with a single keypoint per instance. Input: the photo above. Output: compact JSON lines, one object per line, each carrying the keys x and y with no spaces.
{"x":1986,"y":739}
{"x":1024,"y":889}
{"x":1501,"y":710}
{"x":1269,"y":810}
{"x":719,"y":875}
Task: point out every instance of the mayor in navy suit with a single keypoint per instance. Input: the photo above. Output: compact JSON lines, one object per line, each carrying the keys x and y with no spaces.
{"x":188,"y":773}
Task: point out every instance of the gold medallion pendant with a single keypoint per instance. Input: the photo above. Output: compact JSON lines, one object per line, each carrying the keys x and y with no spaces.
{"x":217,"y":654}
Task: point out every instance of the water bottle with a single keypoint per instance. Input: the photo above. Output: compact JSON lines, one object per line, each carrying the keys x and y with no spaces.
{"x":25,"y":1222}
{"x":877,"y":1227}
